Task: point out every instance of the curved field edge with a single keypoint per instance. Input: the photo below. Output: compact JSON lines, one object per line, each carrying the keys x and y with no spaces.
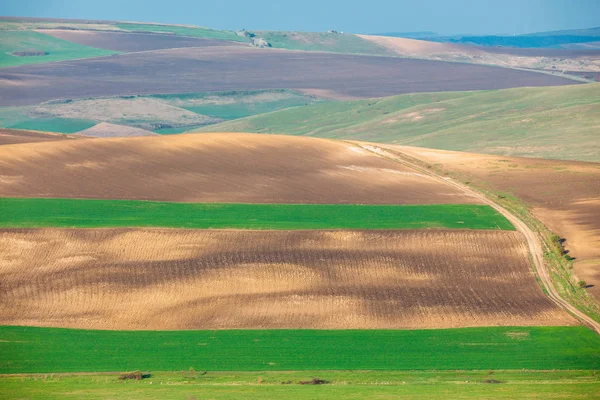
{"x":41,"y":212}
{"x":47,"y":350}
{"x":560,"y":267}
{"x":197,"y":383}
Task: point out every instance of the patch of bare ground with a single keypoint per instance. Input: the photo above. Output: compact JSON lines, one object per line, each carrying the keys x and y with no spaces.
{"x":105,"y":129}
{"x":186,"y":279}
{"x":564,"y":195}
{"x":15,"y":136}
{"x":553,"y":59}
{"x":220,"y":167}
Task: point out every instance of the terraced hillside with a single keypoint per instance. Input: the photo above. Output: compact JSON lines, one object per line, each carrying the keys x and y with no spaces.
{"x":556,"y":123}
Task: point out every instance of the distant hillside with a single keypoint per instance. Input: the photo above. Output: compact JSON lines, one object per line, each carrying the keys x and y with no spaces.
{"x":553,"y":122}
{"x":408,"y":35}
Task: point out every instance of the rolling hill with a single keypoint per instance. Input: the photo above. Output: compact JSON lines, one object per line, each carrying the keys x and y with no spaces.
{"x":558,"y":123}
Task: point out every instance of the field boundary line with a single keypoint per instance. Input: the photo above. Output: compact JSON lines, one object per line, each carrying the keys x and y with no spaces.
{"x":533,"y":242}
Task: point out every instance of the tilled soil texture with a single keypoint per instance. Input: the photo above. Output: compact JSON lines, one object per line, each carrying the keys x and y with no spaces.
{"x":185,"y":279}
{"x":235,"y":168}
{"x":564,"y":195}
{"x":244,"y":68}
{"x":15,"y":136}
{"x":130,"y":42}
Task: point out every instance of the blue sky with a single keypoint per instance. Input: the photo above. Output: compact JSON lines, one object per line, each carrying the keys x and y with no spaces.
{"x":370,"y":16}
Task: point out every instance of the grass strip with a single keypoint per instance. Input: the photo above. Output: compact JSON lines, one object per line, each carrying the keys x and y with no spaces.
{"x":46,"y":350}
{"x":38,"y":212}
{"x":416,"y":385}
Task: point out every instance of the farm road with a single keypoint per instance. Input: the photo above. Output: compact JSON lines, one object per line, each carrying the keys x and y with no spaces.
{"x":533,"y":241}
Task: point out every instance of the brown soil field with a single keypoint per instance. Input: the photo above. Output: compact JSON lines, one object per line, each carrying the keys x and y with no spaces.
{"x":186,"y":279}
{"x":105,"y":129}
{"x":564,"y":195}
{"x":222,"y":68}
{"x":130,"y":42}
{"x":544,"y":59}
{"x":15,"y":136}
{"x":222,"y":167}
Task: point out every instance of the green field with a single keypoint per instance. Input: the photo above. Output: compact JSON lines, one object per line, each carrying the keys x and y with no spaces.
{"x":321,"y":41}
{"x":60,"y":125}
{"x":45,"y":350}
{"x":80,"y":213}
{"x":56,"y":49}
{"x":357,"y":385}
{"x":195,"y":31}
{"x":552,"y":122}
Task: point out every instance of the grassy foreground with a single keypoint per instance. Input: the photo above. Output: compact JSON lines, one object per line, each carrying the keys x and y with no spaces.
{"x":346,"y":385}
{"x":551,"y":122}
{"x":47,"y":350}
{"x":37,"y":212}
{"x":55,"y":49}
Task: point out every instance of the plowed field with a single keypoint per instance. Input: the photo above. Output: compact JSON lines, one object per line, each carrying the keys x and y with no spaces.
{"x":15,"y":136}
{"x":239,"y":168}
{"x":174,"y":279}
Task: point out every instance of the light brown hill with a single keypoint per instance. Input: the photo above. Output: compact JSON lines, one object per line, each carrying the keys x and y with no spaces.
{"x":105,"y":129}
{"x":15,"y":136}
{"x":220,"y":167}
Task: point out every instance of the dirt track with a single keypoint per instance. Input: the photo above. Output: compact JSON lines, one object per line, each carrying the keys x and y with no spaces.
{"x":226,"y":167}
{"x":533,"y":241}
{"x":564,"y":195}
{"x":186,"y":279}
{"x":244,"y":68}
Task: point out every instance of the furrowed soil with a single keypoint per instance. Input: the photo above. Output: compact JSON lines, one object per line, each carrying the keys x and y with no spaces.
{"x":564,"y":195}
{"x":15,"y":136}
{"x":185,"y":279}
{"x":235,"y":168}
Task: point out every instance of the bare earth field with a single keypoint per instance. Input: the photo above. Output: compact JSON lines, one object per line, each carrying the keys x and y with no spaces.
{"x":105,"y":129}
{"x":564,"y":195}
{"x":544,"y":59}
{"x":186,"y":279}
{"x":244,"y":68}
{"x":130,"y":42}
{"x":15,"y":136}
{"x":228,"y":167}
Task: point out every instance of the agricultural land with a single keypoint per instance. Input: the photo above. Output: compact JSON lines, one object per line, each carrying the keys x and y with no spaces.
{"x":187,"y":212}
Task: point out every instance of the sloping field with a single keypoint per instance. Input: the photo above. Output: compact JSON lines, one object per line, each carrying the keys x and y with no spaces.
{"x":232,"y":168}
{"x":128,"y":42}
{"x":244,"y":68}
{"x":553,"y":60}
{"x":564,"y":195}
{"x":15,"y":136}
{"x":187,"y":279}
{"x":558,"y":122}
{"x":26,"y":47}
{"x":104,"y":129}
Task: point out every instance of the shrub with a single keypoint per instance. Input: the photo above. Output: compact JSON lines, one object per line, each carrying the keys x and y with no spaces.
{"x":314,"y":381}
{"x":582,"y":284}
{"x":137,"y":375}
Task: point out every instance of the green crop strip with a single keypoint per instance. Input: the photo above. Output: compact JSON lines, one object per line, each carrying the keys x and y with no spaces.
{"x":37,"y":212}
{"x":29,"y":350}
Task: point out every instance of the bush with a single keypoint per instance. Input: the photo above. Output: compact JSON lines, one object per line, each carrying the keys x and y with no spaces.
{"x":137,"y":375}
{"x":582,"y":284}
{"x":314,"y":381}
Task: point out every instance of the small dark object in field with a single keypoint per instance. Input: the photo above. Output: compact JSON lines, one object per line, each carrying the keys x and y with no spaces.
{"x":314,"y":381}
{"x":137,"y":375}
{"x":286,"y":382}
{"x":492,"y":381}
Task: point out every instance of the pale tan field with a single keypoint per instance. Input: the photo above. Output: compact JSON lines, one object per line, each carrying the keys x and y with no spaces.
{"x":105,"y":129}
{"x":16,"y":136}
{"x":219,"y":167}
{"x":478,"y":55}
{"x":564,"y":195}
{"x":186,"y":279}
